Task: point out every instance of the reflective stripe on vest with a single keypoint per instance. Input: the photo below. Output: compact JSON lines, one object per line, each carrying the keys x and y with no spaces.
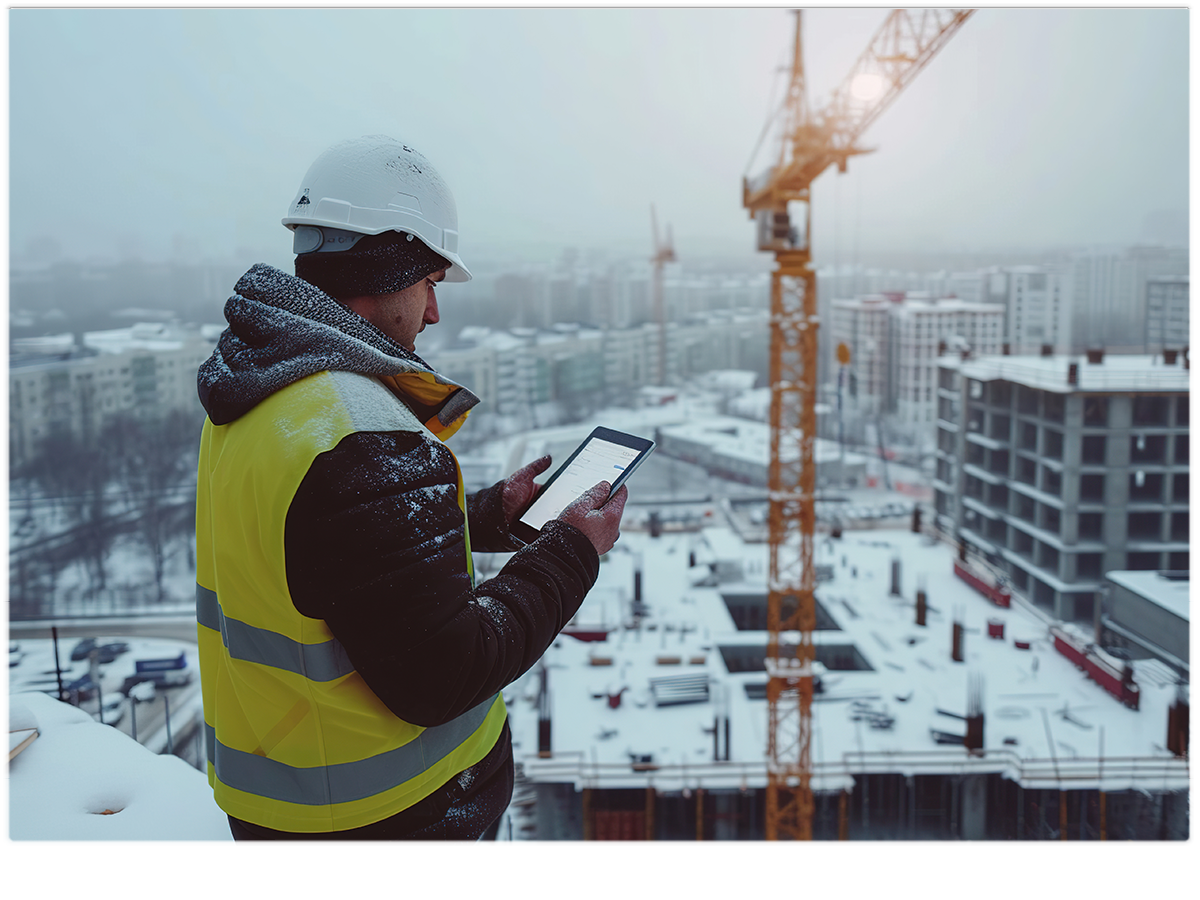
{"x":345,"y":782}
{"x":326,"y":661}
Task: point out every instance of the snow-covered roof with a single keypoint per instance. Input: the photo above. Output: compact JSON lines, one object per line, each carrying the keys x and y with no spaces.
{"x":1169,"y":593}
{"x":749,"y":440}
{"x":141,"y":336}
{"x":1046,"y":724}
{"x":1116,"y":372}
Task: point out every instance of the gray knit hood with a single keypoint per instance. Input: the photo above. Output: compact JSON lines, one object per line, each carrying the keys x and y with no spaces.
{"x":282,"y":329}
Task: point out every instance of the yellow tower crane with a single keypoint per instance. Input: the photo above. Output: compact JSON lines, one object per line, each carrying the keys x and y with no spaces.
{"x":664,"y":252}
{"x":811,"y":142}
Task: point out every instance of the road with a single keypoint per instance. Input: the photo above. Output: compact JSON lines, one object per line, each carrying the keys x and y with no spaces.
{"x":175,"y":626}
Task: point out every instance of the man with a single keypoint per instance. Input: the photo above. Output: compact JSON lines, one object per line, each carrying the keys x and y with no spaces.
{"x":351,"y":669}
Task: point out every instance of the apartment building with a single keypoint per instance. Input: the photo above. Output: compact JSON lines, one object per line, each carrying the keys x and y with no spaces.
{"x":1037,"y":306}
{"x":1060,"y":469}
{"x":1167,"y":318}
{"x":517,"y":369}
{"x":893,"y":341}
{"x":76,"y":384}
{"x":919,"y":325}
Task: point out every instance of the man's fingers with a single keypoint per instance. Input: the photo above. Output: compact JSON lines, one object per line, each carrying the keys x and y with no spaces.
{"x":538,"y":466}
{"x":593,"y":497}
{"x":617,"y":503}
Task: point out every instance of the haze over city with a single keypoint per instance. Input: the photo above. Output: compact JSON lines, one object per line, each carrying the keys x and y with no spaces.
{"x":182,"y":134}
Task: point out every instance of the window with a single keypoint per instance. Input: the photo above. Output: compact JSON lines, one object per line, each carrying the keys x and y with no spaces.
{"x":1051,"y":481}
{"x":1143,"y":562}
{"x":1048,"y":557}
{"x":1093,"y":449}
{"x":1091,"y":526}
{"x":1022,"y":543}
{"x":997,"y":496}
{"x":999,"y":462}
{"x":1026,"y":508}
{"x":1178,"y":561}
{"x":1028,"y":437}
{"x":1051,"y":519}
{"x":1181,"y":410}
{"x":1181,"y":449}
{"x":1179,"y":490}
{"x":1179,"y":526}
{"x":1054,"y":407}
{"x":1150,"y":410}
{"x":1148,"y":448}
{"x":1052,"y":443}
{"x":1146,"y":486}
{"x":1091,"y":488}
{"x":1089,"y":565}
{"x":1145,"y":526}
{"x":1095,"y":411}
{"x":1026,"y":471}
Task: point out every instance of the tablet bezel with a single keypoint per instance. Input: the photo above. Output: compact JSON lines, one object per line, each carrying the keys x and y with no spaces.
{"x":527,"y":533}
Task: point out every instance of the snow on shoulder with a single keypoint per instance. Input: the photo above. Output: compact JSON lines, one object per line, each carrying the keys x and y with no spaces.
{"x":80,"y":780}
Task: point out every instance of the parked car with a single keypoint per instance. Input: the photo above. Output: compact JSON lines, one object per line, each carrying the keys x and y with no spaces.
{"x":106,"y":652}
{"x":15,"y":653}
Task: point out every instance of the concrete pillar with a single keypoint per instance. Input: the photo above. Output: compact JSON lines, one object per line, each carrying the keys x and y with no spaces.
{"x":973,"y":821}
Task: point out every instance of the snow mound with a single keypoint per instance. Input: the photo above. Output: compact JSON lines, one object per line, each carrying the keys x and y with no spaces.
{"x":80,"y":780}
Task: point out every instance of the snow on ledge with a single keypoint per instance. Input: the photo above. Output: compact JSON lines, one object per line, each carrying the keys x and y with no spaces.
{"x":61,"y":785}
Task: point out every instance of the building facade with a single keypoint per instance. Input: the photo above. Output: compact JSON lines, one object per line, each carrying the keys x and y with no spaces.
{"x":1167,"y":318}
{"x":1057,"y":470}
{"x":76,"y":385}
{"x":1037,"y":306}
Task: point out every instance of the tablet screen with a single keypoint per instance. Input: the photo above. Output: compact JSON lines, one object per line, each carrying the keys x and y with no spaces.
{"x":599,"y":460}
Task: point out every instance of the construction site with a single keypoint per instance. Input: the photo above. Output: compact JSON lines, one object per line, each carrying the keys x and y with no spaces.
{"x":809,"y":681}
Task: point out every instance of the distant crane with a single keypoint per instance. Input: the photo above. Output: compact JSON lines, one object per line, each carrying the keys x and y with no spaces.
{"x":810,"y":143}
{"x":664,"y":252}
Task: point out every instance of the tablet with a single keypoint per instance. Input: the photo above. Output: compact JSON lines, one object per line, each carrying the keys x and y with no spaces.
{"x":606,"y":455}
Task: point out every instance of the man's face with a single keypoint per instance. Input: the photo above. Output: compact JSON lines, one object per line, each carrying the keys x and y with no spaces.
{"x":404,"y":314}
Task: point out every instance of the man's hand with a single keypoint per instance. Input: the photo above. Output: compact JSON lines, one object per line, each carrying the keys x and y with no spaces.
{"x":599,"y":521}
{"x":519,"y":489}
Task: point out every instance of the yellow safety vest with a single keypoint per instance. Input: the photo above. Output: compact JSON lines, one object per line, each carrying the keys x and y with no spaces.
{"x":296,"y":740}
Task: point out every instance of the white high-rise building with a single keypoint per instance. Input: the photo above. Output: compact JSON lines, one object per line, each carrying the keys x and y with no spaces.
{"x":1037,"y":304}
{"x":918,"y":325}
{"x":1167,"y":319}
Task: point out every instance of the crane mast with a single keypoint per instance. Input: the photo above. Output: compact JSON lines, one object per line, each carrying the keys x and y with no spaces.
{"x":663,"y":254}
{"x":811,"y":142}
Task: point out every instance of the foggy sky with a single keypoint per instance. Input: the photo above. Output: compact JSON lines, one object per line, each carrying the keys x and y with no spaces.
{"x":184,"y":133}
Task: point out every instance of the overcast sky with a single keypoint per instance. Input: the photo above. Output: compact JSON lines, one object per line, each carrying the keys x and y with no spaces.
{"x":184,"y":133}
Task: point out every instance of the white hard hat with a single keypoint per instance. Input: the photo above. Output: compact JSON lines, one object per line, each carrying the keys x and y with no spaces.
{"x":370,"y":185}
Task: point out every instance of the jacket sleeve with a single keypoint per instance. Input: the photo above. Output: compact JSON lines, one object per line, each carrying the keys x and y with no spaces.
{"x":489,"y":530}
{"x":374,"y":546}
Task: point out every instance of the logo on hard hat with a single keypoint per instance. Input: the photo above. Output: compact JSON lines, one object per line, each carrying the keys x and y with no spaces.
{"x":303,"y":201}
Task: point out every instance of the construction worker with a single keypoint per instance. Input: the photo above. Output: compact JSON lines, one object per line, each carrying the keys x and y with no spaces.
{"x":351,"y":669}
